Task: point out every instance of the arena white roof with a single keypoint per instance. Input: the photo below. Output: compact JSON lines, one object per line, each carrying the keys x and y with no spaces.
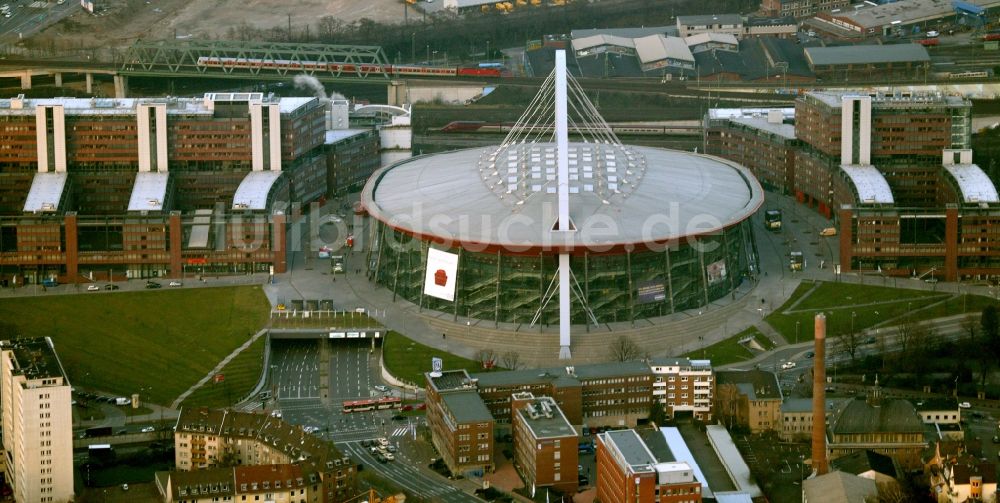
{"x":45,"y":193}
{"x":704,"y":38}
{"x":582,"y":44}
{"x":149,"y":191}
{"x":871,"y":186}
{"x":253,"y":190}
{"x":975,"y":186}
{"x":658,"y":47}
{"x":669,"y":195}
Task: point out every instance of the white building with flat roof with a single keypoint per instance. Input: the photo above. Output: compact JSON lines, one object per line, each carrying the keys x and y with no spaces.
{"x":37,"y":422}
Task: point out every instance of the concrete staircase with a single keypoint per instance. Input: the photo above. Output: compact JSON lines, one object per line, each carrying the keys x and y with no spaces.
{"x":538,"y":347}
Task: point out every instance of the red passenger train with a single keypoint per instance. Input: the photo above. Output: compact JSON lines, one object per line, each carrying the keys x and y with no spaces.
{"x":362,"y":69}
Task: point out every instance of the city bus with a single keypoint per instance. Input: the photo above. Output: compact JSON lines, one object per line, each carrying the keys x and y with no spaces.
{"x":372,"y":404}
{"x":797,"y":262}
{"x":772,"y":220}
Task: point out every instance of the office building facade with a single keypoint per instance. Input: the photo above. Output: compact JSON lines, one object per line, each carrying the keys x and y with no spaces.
{"x":100,"y":189}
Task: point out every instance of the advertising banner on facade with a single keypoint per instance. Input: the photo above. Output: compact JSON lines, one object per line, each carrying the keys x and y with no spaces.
{"x":442,"y":271}
{"x":651,"y":291}
{"x":716,"y":272}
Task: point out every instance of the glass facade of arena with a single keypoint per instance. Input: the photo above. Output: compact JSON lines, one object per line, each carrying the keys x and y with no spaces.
{"x":617,"y":287}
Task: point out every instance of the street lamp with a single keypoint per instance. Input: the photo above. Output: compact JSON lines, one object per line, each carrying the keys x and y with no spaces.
{"x":853,"y":315}
{"x":797,"y":331}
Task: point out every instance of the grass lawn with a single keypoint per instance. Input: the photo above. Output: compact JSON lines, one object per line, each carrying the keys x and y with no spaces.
{"x":730,"y":350}
{"x":408,"y":360}
{"x":121,"y":342}
{"x":863,"y":306}
{"x":240,"y":376}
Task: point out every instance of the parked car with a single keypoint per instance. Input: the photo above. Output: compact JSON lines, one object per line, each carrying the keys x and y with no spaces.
{"x":147,"y":429}
{"x":810,"y":354}
{"x":965,"y":405}
{"x":996,"y":439}
{"x":829,"y":231}
{"x":93,"y":288}
{"x":932,"y":34}
{"x":407,"y":407}
{"x":153,"y":284}
{"x":109,"y":286}
{"x":176,"y":283}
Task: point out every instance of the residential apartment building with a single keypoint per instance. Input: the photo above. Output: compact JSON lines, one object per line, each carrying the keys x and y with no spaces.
{"x":546,"y":446}
{"x":268,"y":449}
{"x":731,"y":24}
{"x":684,"y":386}
{"x":893,"y":172}
{"x":797,"y":418}
{"x":629,"y":472}
{"x":461,"y":425}
{"x":98,"y":189}
{"x":939,"y":410}
{"x":800,"y":8}
{"x":602,"y":394}
{"x":287,"y":483}
{"x":748,"y":398}
{"x":37,"y":422}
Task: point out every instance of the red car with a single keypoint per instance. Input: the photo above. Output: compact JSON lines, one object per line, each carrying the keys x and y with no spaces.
{"x":422,"y":406}
{"x":407,"y":407}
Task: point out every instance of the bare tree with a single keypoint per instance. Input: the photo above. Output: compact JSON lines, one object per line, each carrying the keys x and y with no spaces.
{"x":849,"y":342}
{"x":487,"y":358}
{"x":921,"y":347}
{"x":624,"y":349}
{"x":904,"y":333}
{"x":511,"y":360}
{"x":970,"y":325}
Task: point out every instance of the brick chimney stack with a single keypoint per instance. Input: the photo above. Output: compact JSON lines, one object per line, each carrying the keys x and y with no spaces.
{"x":819,"y":461}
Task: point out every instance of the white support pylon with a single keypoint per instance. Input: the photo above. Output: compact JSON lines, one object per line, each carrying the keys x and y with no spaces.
{"x":562,"y":192}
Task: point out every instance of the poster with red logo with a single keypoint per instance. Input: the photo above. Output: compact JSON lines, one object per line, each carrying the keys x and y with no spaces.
{"x":442,"y":271}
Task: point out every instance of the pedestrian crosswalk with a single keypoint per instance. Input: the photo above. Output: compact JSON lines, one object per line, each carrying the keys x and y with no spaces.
{"x":403,"y":430}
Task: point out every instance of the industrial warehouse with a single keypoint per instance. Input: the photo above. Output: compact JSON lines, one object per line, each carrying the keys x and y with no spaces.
{"x":108,"y":189}
{"x":893,"y":172}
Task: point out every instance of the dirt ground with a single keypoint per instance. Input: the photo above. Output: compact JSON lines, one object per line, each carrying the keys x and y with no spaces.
{"x":213,"y":18}
{"x":128,"y":20}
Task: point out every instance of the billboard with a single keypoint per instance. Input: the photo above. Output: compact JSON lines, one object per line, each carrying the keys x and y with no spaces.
{"x":442,"y":269}
{"x":651,"y":291}
{"x":716,"y":272}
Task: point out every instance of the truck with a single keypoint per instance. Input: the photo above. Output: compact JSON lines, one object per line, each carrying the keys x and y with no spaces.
{"x":772,"y":220}
{"x":123,"y":401}
{"x":98,"y":431}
